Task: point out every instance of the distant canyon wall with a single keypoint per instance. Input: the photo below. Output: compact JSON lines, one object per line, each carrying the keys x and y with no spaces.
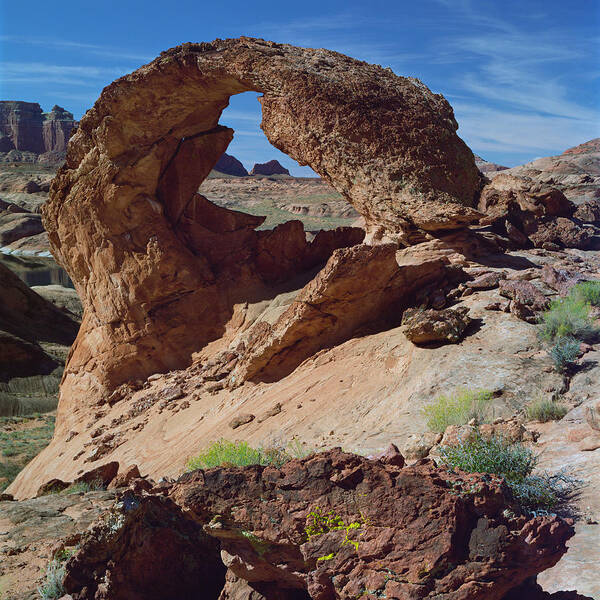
{"x":24,"y":127}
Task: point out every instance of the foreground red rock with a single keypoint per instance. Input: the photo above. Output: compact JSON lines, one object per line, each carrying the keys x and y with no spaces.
{"x":412,"y":532}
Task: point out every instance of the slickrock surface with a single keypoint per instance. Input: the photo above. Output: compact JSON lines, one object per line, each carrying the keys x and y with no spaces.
{"x":418,"y":532}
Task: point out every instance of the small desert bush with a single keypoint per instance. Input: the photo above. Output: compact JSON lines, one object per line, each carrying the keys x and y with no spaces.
{"x":83,"y":487}
{"x":564,"y":353}
{"x":515,"y":464}
{"x":545,"y":410}
{"x":52,"y":588}
{"x":567,"y":317}
{"x":224,"y":453}
{"x":588,"y":291}
{"x":458,"y":409}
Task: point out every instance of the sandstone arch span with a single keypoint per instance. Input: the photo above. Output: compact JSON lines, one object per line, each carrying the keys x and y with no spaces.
{"x":158,"y":267}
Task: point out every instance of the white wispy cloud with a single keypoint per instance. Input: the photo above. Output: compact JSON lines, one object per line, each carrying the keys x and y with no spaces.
{"x":514,"y":83}
{"x":238,"y":115}
{"x":491,"y":129}
{"x":94,"y":49}
{"x":37,"y":72}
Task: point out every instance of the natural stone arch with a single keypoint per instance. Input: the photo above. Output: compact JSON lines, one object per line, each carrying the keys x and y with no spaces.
{"x":157,"y":266}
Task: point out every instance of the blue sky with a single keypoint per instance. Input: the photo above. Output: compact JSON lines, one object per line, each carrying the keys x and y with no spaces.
{"x":523,"y":76}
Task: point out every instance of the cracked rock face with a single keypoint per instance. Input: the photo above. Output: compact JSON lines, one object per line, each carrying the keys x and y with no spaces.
{"x":400,"y":532}
{"x":159,"y":267}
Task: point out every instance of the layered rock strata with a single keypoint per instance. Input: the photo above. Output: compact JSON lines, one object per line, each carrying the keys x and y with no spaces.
{"x":25,"y":129}
{"x":575,"y":172}
{"x":34,"y":341}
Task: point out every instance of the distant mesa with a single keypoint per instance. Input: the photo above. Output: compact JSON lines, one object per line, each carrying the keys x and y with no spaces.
{"x":27,"y":134}
{"x":230,"y":165}
{"x":488,"y":167}
{"x":273,"y":167}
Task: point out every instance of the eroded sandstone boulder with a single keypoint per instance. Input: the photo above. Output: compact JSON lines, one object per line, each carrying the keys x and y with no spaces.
{"x":412,"y":532}
{"x":432,"y":326}
{"x":531,"y":213}
{"x":158,"y":267}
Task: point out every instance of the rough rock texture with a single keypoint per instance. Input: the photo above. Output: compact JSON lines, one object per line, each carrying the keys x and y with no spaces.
{"x":576,"y":172}
{"x":230,"y":165}
{"x":418,"y":532}
{"x":272,"y":167}
{"x":25,"y":129}
{"x":432,"y":326}
{"x":526,"y":299}
{"x":589,"y":212}
{"x":158,"y":267}
{"x":533,"y":213}
{"x":488,"y":167}
{"x":33,"y":531}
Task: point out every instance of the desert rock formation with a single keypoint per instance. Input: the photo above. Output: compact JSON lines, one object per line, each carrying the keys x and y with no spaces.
{"x":575,"y":172}
{"x":230,"y":165}
{"x":25,"y":130}
{"x":417,"y":532}
{"x":488,"y":167}
{"x":34,"y":341}
{"x":533,"y":213}
{"x":272,"y":167}
{"x":175,"y":262}
{"x":198,"y":325}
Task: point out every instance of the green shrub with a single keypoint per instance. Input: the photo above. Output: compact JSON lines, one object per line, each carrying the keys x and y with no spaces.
{"x":515,"y":464}
{"x":83,"y":487}
{"x":52,"y":588}
{"x":295,"y":449}
{"x":588,"y":291}
{"x":545,"y":410}
{"x":564,"y":353}
{"x":567,"y":317}
{"x":458,"y":409}
{"x":224,"y":453}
